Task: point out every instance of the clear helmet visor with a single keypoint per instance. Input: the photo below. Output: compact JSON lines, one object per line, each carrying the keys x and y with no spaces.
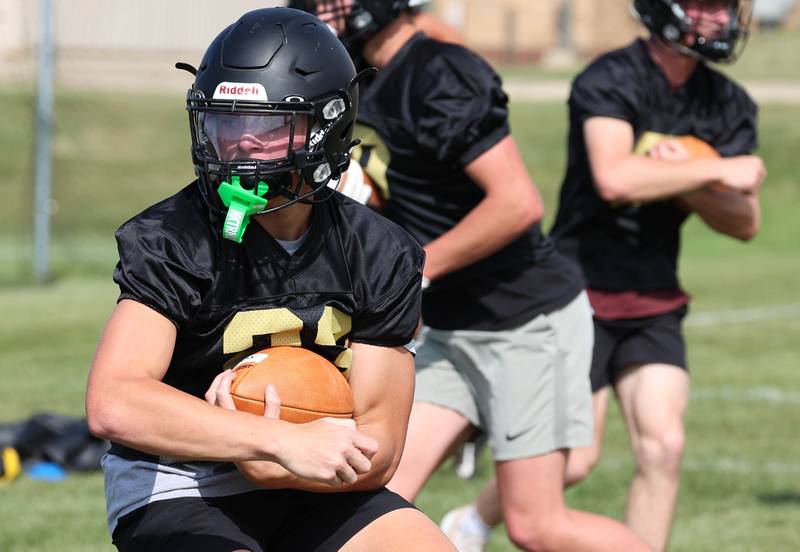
{"x":265,"y":137}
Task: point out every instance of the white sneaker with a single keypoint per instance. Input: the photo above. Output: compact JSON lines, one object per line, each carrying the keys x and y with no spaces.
{"x":464,"y":541}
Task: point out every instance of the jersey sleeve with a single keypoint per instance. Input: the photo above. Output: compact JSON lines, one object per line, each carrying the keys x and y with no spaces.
{"x":392,"y":302}
{"x":739,"y":125}
{"x":464,"y":109}
{"x":154,"y":270}
{"x":604,"y":89}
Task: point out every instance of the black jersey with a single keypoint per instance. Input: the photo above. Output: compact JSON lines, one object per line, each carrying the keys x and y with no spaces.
{"x":635,"y":246}
{"x":356,"y":278}
{"x":431,"y":111}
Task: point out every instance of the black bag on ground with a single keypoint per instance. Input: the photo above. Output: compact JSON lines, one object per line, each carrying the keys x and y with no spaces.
{"x":64,"y":440}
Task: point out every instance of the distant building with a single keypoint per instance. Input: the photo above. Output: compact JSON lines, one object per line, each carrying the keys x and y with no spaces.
{"x":773,"y":13}
{"x":524,"y":30}
{"x":133,"y":45}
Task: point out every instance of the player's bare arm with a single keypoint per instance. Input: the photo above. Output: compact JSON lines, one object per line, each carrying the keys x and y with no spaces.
{"x":382,"y":382}
{"x":511,"y":205}
{"x":128,"y":403}
{"x":728,"y":212}
{"x":621,"y":176}
{"x":722,"y":208}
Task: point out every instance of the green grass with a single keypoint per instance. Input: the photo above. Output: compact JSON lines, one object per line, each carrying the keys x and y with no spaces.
{"x":47,"y":338}
{"x":45,"y":517}
{"x":113,"y":154}
{"x":770,"y":55}
{"x":116,"y":154}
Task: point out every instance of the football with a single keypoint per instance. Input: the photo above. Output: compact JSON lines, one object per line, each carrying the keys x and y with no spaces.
{"x":309,"y":386}
{"x":699,"y":149}
{"x":696,"y":147}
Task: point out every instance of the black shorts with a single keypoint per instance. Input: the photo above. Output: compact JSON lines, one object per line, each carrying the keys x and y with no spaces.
{"x":259,"y":521}
{"x":622,"y":343}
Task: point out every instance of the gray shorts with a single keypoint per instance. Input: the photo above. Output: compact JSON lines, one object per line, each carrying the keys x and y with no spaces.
{"x":527,"y":387}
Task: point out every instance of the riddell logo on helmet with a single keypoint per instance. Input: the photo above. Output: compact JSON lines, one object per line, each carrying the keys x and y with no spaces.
{"x":240,"y":91}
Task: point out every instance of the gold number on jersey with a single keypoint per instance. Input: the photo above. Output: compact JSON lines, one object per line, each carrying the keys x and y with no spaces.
{"x":373,"y":155}
{"x":332,"y":325}
{"x":284,"y":327}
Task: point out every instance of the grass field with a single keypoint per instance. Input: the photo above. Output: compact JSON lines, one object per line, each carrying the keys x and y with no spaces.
{"x":116,"y":154}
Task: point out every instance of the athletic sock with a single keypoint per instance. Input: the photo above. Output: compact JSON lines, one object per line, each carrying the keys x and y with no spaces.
{"x":471,"y":522}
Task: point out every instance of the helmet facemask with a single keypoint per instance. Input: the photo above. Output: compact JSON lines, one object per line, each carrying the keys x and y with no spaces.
{"x":271,"y":114}
{"x":266,"y":151}
{"x":671,"y":21}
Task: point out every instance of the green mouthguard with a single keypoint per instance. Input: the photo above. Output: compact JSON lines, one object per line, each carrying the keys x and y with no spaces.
{"x":241,"y":204}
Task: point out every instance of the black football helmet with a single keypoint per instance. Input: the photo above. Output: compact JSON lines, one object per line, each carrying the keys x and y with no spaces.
{"x":667,"y":20}
{"x":355,"y":21}
{"x":272,"y":108}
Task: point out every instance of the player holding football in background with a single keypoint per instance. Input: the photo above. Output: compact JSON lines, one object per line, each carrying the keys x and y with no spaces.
{"x":630,"y":185}
{"x":271,"y":116}
{"x":509,"y":329}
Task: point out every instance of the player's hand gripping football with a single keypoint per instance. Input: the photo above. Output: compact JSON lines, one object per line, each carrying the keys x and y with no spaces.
{"x":669,"y":149}
{"x":743,"y":173}
{"x":328,"y":450}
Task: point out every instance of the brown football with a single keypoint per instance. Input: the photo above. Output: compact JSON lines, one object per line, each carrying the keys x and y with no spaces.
{"x":309,"y":386}
{"x":697,"y":147}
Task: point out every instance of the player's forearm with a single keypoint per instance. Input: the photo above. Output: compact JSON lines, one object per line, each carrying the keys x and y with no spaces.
{"x":641,"y":179}
{"x":384,"y":463}
{"x":491,"y":225}
{"x":156,"y":418}
{"x":270,"y":475}
{"x":728,"y":212}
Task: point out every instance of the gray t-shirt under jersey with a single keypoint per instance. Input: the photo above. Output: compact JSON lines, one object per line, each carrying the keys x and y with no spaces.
{"x":131,"y":484}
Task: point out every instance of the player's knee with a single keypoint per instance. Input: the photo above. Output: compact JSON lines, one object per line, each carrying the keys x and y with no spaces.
{"x":539,"y":535}
{"x":662,"y":452}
